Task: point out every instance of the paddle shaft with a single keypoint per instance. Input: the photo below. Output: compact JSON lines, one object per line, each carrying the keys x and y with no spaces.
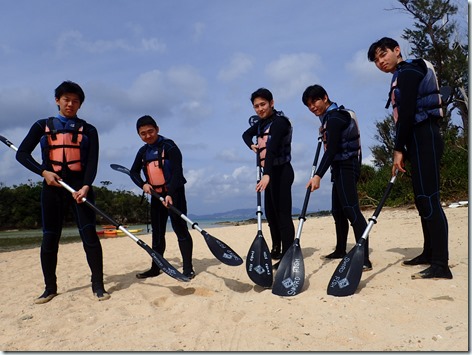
{"x":258,"y":261}
{"x":373,"y":219}
{"x":259,"y":199}
{"x":302,"y":217}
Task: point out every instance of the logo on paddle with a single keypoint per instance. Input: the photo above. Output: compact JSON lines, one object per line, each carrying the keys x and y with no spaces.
{"x":259,"y":269}
{"x":291,"y":285}
{"x":230,"y":256}
{"x":343,"y":283}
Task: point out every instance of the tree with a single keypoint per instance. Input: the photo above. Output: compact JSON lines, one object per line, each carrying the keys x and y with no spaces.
{"x":383,"y":154}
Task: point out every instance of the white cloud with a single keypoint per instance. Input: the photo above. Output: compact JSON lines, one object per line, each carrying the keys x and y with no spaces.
{"x":70,"y":40}
{"x":240,"y":64}
{"x":292,"y":73}
{"x":198,"y":31}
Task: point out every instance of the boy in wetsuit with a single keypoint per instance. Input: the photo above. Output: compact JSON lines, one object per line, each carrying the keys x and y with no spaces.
{"x":69,"y":148}
{"x":274,"y":133}
{"x":341,"y":138}
{"x":416,"y":102}
{"x":161,"y":161}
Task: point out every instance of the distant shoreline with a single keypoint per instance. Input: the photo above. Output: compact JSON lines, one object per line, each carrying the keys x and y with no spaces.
{"x":254,"y":220}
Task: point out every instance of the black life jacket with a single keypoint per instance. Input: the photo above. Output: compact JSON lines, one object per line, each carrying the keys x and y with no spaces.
{"x":428,"y":101}
{"x":350,"y":144}
{"x":264,"y":137}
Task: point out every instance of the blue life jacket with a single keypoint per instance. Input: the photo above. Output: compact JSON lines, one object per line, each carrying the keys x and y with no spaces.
{"x":350,"y":145}
{"x":428,"y":101}
{"x":64,"y":146}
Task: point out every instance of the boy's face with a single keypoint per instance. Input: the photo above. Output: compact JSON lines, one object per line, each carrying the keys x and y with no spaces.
{"x":68,"y":104}
{"x":148,"y":133}
{"x":318,"y":106}
{"x":386,"y":59}
{"x":262,"y":107}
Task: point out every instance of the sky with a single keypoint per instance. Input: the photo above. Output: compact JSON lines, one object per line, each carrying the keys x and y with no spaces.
{"x":192,"y":65}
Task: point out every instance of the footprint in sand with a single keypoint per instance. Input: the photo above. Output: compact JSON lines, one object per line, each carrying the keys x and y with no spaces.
{"x":180,"y":291}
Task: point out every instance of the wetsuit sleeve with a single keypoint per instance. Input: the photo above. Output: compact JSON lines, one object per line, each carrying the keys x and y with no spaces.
{"x":408,"y":83}
{"x":337,"y":122}
{"x":27,"y":146}
{"x":177,"y":172}
{"x":136,"y":168}
{"x":278,"y":131}
{"x":249,"y":134}
{"x":92,"y":156}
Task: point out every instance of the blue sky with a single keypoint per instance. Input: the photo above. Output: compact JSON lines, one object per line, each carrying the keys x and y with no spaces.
{"x":192,"y":65}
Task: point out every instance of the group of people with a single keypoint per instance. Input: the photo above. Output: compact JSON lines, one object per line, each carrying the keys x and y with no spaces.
{"x":417,"y":108}
{"x":70,"y":151}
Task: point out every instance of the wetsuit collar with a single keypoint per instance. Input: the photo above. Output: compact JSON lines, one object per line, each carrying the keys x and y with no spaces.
{"x":157,"y":142}
{"x":65,"y":119}
{"x":333,"y":106}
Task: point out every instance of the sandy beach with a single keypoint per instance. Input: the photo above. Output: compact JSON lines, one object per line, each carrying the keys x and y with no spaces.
{"x":222,"y":310}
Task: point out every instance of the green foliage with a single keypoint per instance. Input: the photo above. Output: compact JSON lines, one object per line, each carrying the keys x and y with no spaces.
{"x":21,"y":208}
{"x":373,"y":183}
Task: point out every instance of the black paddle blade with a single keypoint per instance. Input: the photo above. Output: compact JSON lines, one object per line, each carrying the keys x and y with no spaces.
{"x":348,"y":273}
{"x":221,"y":251}
{"x":290,"y":275}
{"x":259,"y":262}
{"x":120,"y":168}
{"x":162,"y":263}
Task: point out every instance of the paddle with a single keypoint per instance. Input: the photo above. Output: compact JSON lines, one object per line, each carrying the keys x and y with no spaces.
{"x":162,"y":263}
{"x":219,"y":249}
{"x":290,"y":275}
{"x":258,"y":261}
{"x":348,"y":273}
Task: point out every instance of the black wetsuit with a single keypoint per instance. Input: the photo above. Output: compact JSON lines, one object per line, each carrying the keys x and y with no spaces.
{"x":56,"y":200}
{"x":278,"y":194}
{"x":423,"y":147}
{"x":175,"y":184}
{"x":344,"y":175}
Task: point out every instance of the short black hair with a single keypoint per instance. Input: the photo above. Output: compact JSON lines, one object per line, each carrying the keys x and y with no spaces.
{"x":383,"y":44}
{"x":69,"y":87}
{"x":145,"y":120}
{"x":262,"y":92}
{"x":313,"y":92}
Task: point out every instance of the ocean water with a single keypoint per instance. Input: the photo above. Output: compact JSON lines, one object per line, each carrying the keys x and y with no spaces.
{"x":31,"y":238}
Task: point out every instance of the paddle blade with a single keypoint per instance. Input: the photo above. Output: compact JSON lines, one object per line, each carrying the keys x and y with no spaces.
{"x":221,"y":251}
{"x":290,"y":275}
{"x":259,"y":262}
{"x":162,"y":263}
{"x":120,"y":168}
{"x":348,"y":273}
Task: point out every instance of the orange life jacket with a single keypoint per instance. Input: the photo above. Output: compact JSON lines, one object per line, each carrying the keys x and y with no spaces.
{"x":155,"y":173}
{"x":64,"y":144}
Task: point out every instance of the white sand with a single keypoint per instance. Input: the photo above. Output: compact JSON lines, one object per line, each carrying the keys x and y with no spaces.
{"x":222,"y":310}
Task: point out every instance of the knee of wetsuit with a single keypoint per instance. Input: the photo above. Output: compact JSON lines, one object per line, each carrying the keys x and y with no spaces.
{"x":337,"y":214}
{"x":424,"y":206}
{"x":350,"y":214}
